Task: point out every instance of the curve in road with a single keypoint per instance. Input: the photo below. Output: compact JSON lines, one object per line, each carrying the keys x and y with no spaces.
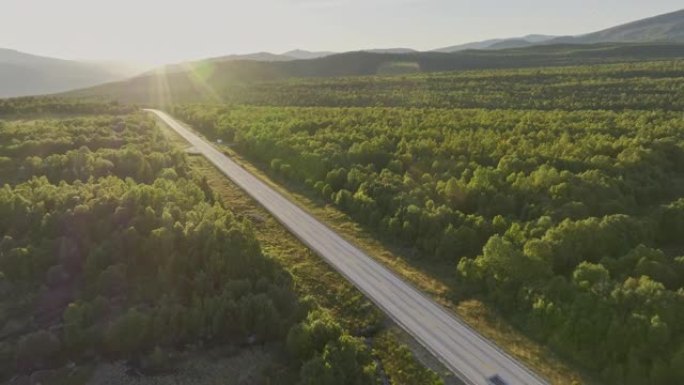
{"x":470,"y":356}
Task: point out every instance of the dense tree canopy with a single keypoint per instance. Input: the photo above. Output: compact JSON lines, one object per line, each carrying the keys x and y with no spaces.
{"x":52,"y":105}
{"x":112,"y":246}
{"x":559,"y":198}
{"x":656,"y":85}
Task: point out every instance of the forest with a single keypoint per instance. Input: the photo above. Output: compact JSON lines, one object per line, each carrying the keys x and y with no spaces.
{"x":637,"y":85}
{"x":113,"y":248}
{"x":56,"y":106}
{"x":556,"y":194}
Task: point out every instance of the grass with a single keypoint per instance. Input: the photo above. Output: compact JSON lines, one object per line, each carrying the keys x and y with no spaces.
{"x":389,"y":347}
{"x":312,"y":276}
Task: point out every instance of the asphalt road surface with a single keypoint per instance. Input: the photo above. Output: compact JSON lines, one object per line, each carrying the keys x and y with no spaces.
{"x":470,"y":356}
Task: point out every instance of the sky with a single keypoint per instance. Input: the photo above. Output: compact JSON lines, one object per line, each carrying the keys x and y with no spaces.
{"x":168,"y":31}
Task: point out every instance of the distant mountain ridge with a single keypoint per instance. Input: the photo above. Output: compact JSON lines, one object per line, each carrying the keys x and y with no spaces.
{"x":22,"y":74}
{"x":666,"y":28}
{"x":491,"y":43}
{"x":258,"y":56}
{"x":390,"y":50}
{"x":209,"y":80}
{"x":299,"y":54}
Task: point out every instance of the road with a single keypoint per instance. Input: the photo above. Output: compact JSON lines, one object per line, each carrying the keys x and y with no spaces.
{"x":470,"y":356}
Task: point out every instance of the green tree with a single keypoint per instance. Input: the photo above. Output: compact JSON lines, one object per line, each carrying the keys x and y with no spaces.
{"x":37,"y":350}
{"x":128,"y":334}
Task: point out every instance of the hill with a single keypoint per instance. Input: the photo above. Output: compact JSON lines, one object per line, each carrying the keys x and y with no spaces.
{"x":209,"y":80}
{"x":258,"y":56}
{"x":390,"y":50}
{"x":303,"y":55}
{"x":497,"y":43}
{"x":668,"y":27}
{"x":297,"y":54}
{"x":22,"y":74}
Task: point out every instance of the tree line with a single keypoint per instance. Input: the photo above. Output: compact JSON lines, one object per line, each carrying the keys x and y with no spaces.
{"x":639,"y":85}
{"x":24,"y":107}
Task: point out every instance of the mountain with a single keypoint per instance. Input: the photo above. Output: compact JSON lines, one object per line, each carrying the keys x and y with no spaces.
{"x":474,"y":45}
{"x":306,"y":55}
{"x":257,"y":56}
{"x":210,"y":62}
{"x":497,"y":43}
{"x":296,"y":54}
{"x":536,"y":38}
{"x":22,"y":74}
{"x":511,"y":43}
{"x":299,"y":54}
{"x":196,"y":83}
{"x":655,"y":38}
{"x":267,"y":57}
{"x":391,"y":50}
{"x":663,"y":28}
{"x":668,"y":27}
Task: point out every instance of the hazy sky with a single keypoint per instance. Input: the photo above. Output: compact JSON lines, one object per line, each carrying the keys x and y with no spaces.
{"x":159,"y":31}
